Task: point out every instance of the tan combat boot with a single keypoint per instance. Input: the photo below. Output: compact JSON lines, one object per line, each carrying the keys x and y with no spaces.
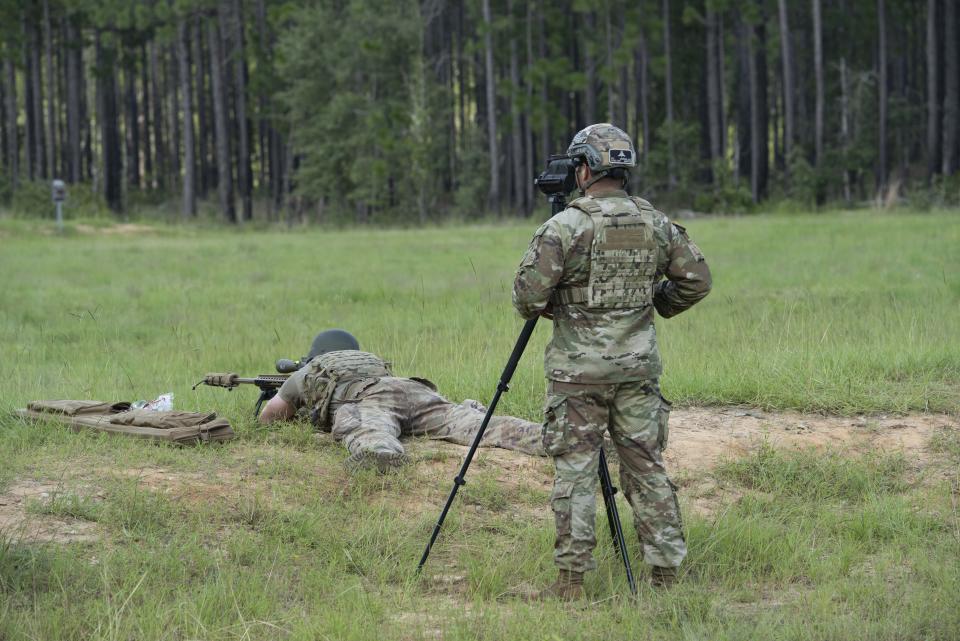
{"x":661,"y":577}
{"x":567,"y":587}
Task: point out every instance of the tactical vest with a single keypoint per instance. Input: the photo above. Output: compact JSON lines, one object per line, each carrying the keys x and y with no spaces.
{"x":623,"y":258}
{"x":326,"y":371}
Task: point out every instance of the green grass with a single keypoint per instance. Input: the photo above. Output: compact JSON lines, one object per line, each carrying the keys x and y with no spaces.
{"x":266,"y":537}
{"x":841,"y":313}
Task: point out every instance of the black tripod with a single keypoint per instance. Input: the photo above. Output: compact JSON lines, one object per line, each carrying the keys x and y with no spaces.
{"x":557,"y":203}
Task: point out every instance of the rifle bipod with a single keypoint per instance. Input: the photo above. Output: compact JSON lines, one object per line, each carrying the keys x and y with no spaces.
{"x":606,"y":485}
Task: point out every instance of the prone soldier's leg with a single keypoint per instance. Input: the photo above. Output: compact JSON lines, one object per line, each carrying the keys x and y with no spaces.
{"x":638,"y":419}
{"x":575,"y":419}
{"x":434,"y":416}
{"x":370,"y":428}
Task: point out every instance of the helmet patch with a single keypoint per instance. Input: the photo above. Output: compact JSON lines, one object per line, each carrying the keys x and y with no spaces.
{"x":621,"y":157}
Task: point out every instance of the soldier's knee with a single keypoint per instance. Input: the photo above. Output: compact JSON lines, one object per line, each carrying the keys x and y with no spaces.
{"x":346,"y":420}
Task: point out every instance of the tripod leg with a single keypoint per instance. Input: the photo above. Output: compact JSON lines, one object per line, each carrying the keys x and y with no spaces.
{"x":613,"y":517}
{"x":609,"y":500}
{"x":503,"y":385}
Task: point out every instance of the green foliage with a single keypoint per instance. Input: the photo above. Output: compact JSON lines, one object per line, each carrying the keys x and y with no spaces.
{"x":728,"y":195}
{"x":366,"y":130}
{"x":32,"y":199}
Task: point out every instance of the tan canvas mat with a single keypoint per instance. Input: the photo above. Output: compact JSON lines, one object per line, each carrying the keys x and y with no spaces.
{"x":118,"y":418}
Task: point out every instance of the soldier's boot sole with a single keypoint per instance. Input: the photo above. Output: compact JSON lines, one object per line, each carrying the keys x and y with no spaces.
{"x":373,"y":460}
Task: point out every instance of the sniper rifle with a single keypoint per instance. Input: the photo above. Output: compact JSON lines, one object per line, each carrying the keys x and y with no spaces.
{"x":268,"y":384}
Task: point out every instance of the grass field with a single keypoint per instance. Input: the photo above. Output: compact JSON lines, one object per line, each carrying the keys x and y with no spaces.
{"x":266,"y":537}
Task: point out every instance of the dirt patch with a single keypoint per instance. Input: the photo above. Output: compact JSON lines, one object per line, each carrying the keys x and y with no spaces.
{"x":702,"y":437}
{"x":699,"y":439}
{"x":120,"y":229}
{"x":19,"y":525}
{"x":192,"y":487}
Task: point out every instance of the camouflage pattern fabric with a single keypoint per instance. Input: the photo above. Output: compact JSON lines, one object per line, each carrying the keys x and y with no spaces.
{"x":603,"y":362}
{"x":605,"y":345}
{"x":577,"y":416}
{"x":370,"y":415}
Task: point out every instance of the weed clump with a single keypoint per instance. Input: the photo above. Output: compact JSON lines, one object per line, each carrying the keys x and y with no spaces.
{"x":816,"y":475}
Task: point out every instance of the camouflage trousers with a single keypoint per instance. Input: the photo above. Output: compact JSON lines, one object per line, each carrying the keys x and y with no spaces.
{"x":371,"y":415}
{"x":576,"y":417}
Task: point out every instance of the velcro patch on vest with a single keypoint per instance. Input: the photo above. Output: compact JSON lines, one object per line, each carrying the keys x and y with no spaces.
{"x":624,"y":238}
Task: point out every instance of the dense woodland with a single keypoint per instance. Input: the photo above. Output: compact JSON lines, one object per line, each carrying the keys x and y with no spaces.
{"x":392,"y":110}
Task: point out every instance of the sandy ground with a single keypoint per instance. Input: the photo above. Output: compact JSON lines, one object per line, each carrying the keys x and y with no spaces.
{"x":699,"y":439}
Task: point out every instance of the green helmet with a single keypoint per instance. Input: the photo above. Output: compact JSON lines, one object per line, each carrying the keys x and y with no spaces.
{"x":605,"y":148}
{"x":332,"y":340}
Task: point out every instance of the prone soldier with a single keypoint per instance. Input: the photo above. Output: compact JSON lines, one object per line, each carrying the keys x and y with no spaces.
{"x":354,"y":395}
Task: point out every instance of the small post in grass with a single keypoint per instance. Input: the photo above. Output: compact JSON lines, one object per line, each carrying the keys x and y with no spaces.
{"x":58,"y":191}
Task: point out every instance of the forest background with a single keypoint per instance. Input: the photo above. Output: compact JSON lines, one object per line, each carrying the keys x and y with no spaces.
{"x":414,"y":111}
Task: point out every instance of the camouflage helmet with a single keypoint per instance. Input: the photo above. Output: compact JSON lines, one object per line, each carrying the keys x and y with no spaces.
{"x":332,"y":340}
{"x":605,"y":147}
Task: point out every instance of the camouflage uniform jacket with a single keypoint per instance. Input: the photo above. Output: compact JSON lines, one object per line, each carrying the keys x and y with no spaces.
{"x":605,"y":345}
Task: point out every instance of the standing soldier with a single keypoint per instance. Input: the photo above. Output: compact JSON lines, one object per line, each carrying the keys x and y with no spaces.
{"x":597,"y":269}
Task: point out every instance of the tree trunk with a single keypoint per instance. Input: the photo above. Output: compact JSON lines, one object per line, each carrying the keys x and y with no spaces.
{"x":528,"y":168}
{"x":231,"y":13}
{"x":494,"y":196}
{"x":146,"y":149}
{"x":745,"y":78}
{"x":516,"y":134}
{"x":845,"y":126}
{"x":613,"y":98}
{"x":882,"y":96}
{"x":643,"y":98}
{"x":159,"y":137}
{"x":109,"y":128}
{"x":13,"y":139}
{"x":52,"y":142}
{"x":818,"y":76}
{"x":951,"y":99}
{"x":758,"y":153}
{"x":461,"y":78}
{"x":714,"y":107}
{"x":203,"y":119}
{"x":221,"y":126}
{"x":34,"y":106}
{"x":172,"y":87}
{"x":759,"y":111}
{"x":131,"y":129}
{"x":788,"y":84}
{"x":668,"y":84}
{"x":590,"y":69}
{"x":933,"y":92}
{"x":189,"y":161}
{"x":546,"y":144}
{"x":722,"y":86}
{"x":262,"y":123}
{"x":4,"y":157}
